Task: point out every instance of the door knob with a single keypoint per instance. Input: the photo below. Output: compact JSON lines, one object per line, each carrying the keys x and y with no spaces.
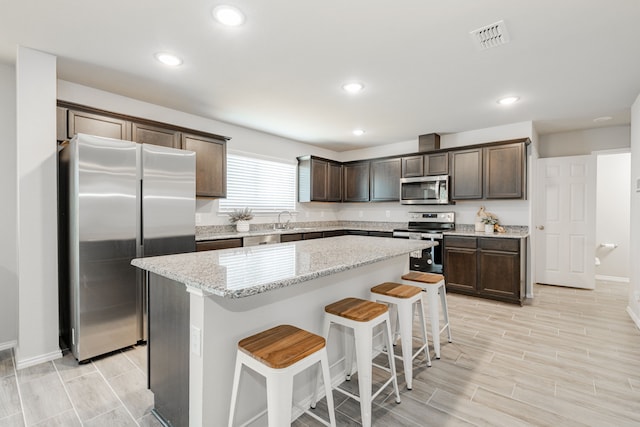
{"x":541,"y":227}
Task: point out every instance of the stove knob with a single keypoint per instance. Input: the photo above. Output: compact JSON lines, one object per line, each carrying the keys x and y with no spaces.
{"x":429,"y":262}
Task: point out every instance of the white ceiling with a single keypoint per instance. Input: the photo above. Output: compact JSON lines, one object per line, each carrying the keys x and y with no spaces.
{"x":570,"y":61}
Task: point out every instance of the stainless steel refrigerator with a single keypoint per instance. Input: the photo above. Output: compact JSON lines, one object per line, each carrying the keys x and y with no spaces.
{"x":118,"y":200}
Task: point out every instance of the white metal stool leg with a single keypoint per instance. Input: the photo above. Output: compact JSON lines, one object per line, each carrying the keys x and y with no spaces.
{"x":279,"y":399}
{"x":234,"y":391}
{"x":364,"y":344}
{"x":326,"y":374}
{"x":434,"y":316}
{"x":445,"y":311}
{"x":423,"y":327}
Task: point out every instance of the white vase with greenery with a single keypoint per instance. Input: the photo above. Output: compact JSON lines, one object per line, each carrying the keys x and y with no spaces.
{"x":241,"y":218}
{"x":489,"y":224}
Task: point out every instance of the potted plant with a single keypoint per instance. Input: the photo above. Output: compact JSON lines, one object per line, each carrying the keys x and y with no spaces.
{"x":489,"y":224}
{"x":241,"y":218}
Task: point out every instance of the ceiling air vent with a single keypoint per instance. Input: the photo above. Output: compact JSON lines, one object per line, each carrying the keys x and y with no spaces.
{"x":490,"y":36}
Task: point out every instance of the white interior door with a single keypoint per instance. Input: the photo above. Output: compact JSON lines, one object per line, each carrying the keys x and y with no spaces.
{"x":565,"y":226}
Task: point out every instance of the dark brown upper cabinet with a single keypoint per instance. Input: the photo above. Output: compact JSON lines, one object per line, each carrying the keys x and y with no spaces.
{"x":466,"y":174}
{"x":493,"y":171}
{"x":211,"y":164}
{"x":436,"y":164}
{"x":147,"y":134}
{"x":504,"y":167}
{"x":319,"y":180}
{"x":334,"y":182}
{"x":96,"y":124}
{"x":385,"y":180}
{"x":356,"y":182}
{"x":413,"y":166}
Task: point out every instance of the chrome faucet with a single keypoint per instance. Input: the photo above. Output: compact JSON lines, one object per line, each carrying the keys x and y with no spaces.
{"x":279,"y":225}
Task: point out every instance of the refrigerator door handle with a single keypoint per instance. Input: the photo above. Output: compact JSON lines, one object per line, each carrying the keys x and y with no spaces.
{"x":141,"y":215}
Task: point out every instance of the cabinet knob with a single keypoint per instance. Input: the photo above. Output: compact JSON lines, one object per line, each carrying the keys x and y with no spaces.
{"x":541,"y":227}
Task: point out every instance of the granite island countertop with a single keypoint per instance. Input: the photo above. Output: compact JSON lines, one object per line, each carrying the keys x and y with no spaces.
{"x":242,"y":272}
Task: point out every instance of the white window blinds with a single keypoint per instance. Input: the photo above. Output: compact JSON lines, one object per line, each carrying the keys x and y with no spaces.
{"x":259,"y":184}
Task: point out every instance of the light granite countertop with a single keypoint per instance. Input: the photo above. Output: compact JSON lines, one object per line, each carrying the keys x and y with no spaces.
{"x":204,"y":233}
{"x":242,"y":272}
{"x":227,"y":232}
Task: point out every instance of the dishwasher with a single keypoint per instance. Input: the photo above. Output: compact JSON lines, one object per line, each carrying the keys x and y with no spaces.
{"x":267,"y":239}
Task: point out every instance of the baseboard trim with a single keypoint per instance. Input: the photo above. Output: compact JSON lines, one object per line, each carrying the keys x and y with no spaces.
{"x":634,"y":317}
{"x":32,"y":361}
{"x":612,"y":278}
{"x":8,"y":345}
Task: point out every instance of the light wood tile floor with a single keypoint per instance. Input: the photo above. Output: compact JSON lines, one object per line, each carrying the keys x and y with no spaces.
{"x":109,"y":391}
{"x":570,"y":358}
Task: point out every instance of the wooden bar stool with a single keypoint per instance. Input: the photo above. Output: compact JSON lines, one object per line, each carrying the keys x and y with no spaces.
{"x":433,"y":284}
{"x":405,"y":298}
{"x":362,"y":316}
{"x":278,"y":354}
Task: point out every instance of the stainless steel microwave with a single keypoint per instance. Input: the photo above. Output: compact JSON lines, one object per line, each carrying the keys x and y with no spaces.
{"x":425,"y":190}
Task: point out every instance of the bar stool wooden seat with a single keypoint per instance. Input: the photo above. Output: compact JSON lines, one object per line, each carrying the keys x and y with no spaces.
{"x":433,"y":285}
{"x":362,"y":316}
{"x":405,"y":298}
{"x":278,"y":354}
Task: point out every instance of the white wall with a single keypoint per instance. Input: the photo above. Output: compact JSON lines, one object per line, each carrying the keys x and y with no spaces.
{"x":634,"y":289}
{"x":8,"y":261}
{"x":37,"y":208}
{"x":612,"y":215}
{"x":492,"y":134}
{"x":576,"y":143}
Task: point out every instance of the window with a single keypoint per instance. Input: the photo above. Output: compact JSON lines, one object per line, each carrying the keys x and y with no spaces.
{"x":260,"y":184}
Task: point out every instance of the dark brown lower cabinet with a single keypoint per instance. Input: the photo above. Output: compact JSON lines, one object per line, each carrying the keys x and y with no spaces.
{"x":290,"y":237}
{"x":210,"y":245}
{"x":488,"y":267}
{"x":312,"y":235}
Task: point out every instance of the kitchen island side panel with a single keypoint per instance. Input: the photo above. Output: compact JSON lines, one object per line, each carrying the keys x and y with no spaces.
{"x":168,"y":349}
{"x":224,"y":321}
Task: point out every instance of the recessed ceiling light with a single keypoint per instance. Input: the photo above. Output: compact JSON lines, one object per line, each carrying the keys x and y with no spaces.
{"x":168,"y":59}
{"x":358,"y":132}
{"x":353,"y":87}
{"x":508,"y":100}
{"x":602,"y":119}
{"x":228,"y":15}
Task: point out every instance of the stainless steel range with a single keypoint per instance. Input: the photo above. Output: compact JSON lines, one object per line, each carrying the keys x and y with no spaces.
{"x":427,"y":226}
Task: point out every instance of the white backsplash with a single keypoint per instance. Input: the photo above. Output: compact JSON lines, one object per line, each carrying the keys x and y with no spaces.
{"x":509,"y":212}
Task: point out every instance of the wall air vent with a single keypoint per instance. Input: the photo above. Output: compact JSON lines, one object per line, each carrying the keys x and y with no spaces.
{"x":490,"y":36}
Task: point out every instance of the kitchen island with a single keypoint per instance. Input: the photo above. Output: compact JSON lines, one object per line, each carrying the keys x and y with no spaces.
{"x":201,"y":304}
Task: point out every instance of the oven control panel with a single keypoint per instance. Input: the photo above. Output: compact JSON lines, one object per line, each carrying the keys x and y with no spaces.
{"x":432,"y":216}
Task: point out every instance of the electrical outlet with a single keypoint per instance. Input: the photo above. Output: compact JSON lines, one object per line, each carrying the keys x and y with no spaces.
{"x":387,"y":214}
{"x":306,"y":214}
{"x":321,"y":214}
{"x":196,"y":341}
{"x":198,"y":218}
{"x":360,"y":214}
